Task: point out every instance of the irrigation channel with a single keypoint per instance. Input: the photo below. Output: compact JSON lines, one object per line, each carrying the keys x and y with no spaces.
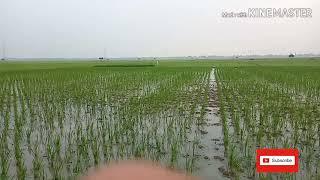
{"x":213,"y":161}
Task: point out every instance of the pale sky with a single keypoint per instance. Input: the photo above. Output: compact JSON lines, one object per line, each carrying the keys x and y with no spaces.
{"x":131,"y":28}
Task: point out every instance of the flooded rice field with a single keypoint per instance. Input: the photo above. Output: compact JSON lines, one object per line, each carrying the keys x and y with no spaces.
{"x":58,"y":124}
{"x":257,"y":114}
{"x":207,"y":121}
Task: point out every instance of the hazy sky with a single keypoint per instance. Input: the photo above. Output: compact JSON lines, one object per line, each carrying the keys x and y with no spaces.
{"x":83,"y":28}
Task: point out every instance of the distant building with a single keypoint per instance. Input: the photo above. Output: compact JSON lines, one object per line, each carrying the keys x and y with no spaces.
{"x":291,"y":55}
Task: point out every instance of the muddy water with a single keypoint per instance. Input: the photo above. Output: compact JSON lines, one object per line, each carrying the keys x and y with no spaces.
{"x":212,"y":150}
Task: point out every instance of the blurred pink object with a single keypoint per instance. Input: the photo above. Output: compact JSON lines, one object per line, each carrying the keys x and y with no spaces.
{"x":135,"y":170}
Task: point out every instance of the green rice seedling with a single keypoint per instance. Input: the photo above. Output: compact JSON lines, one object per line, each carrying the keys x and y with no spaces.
{"x":234,"y":161}
{"x":21,"y":169}
{"x":50,"y":153}
{"x":37,"y":163}
{"x":5,"y":158}
{"x":4,"y":148}
{"x":28,"y":136}
{"x":95,"y":151}
{"x":174,"y":154}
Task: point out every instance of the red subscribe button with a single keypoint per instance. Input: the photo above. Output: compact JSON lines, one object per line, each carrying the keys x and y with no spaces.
{"x":277,"y":160}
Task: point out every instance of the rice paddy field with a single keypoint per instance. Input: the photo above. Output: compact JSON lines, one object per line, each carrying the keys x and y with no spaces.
{"x":59,"y":119}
